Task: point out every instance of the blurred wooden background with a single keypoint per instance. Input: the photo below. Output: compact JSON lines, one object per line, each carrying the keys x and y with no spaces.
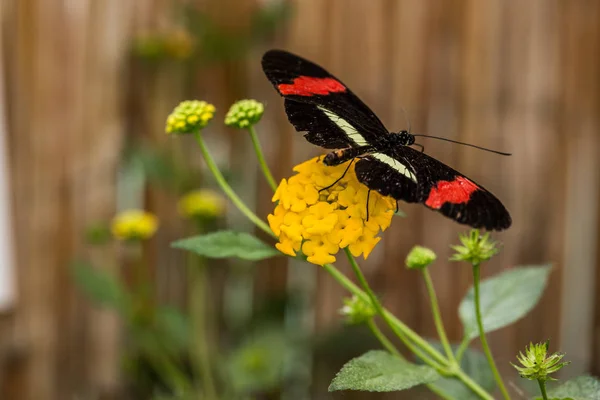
{"x":512,"y":75}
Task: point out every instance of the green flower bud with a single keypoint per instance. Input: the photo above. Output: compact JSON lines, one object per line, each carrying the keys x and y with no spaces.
{"x":244,"y":113}
{"x":536,"y":364}
{"x":475,"y":248}
{"x":190,"y":116}
{"x":357,"y":311}
{"x":420,"y":257}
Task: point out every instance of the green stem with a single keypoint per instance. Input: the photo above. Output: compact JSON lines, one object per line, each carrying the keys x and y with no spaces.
{"x":175,"y":378}
{"x":464,"y":345}
{"x":212,"y":166}
{"x":261,"y":158}
{"x":471,"y":384}
{"x":458,"y":373}
{"x":390,"y":347}
{"x":382,"y":339}
{"x":412,"y":335}
{"x":543,"y":389}
{"x":484,"y":343}
{"x":437,"y":317}
{"x":198,"y":313}
{"x":379,"y":308}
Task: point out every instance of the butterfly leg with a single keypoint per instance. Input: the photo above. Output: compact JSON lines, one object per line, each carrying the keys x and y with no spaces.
{"x":368,"y":196}
{"x":340,"y":178}
{"x":421,"y":146}
{"x":397,"y":208}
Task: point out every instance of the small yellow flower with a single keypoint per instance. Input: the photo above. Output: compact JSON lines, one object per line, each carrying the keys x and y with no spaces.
{"x":244,"y":113}
{"x":134,"y":225}
{"x":322,"y":223}
{"x":203,"y":203}
{"x":189,"y":116}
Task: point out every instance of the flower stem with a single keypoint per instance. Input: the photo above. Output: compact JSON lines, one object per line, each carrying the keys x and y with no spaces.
{"x":414,"y":337}
{"x":437,"y":317}
{"x":226,"y":188}
{"x":484,"y":343}
{"x":471,"y":384}
{"x":464,"y":345}
{"x":382,"y":339}
{"x":375,"y":302}
{"x":261,"y":158}
{"x":542,"y":384}
{"x":199,"y":315}
{"x":390,"y":347}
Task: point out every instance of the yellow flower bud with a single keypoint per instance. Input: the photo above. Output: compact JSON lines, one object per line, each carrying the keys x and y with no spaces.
{"x":203,"y":203}
{"x":189,"y":116}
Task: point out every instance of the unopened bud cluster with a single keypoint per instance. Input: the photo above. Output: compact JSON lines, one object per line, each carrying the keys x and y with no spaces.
{"x":189,"y":116}
{"x":244,"y":113}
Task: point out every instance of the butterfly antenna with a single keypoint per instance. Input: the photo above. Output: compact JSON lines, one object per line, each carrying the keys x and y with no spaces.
{"x":407,"y":120}
{"x":466,"y":144}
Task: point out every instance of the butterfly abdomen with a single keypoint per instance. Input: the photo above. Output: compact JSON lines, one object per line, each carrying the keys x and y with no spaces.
{"x":341,"y":156}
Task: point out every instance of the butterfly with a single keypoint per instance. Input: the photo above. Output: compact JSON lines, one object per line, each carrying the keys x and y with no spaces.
{"x":334,"y":118}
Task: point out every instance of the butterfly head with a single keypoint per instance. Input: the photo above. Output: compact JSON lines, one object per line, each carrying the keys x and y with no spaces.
{"x":403,"y":138}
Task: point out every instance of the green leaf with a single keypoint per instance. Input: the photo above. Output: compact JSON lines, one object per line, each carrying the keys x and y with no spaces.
{"x":379,"y":371}
{"x":505,"y":298}
{"x":475,"y":365}
{"x":173,"y":327}
{"x":225,"y":244}
{"x":580,"y":388}
{"x":100,"y":286}
{"x":257,"y":364}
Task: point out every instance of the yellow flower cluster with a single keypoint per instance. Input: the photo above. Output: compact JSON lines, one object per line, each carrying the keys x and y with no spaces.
{"x":203,"y":203}
{"x":189,"y":116}
{"x":321,"y":223}
{"x":134,"y":225}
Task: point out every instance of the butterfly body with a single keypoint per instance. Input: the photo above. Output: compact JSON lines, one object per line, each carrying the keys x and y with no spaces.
{"x":333,"y":117}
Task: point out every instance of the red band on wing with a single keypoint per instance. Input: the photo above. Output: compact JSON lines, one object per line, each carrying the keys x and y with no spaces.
{"x":457,"y":191}
{"x":308,"y":86}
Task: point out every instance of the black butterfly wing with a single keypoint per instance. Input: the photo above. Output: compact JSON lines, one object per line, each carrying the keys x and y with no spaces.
{"x":320,"y":104}
{"x":387,"y":176}
{"x":406,"y":174}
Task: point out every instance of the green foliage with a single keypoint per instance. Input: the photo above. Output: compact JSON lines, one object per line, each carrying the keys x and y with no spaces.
{"x":257,"y":364}
{"x":220,"y":43}
{"x":226,"y":244}
{"x":505,"y":298}
{"x":380,"y":371}
{"x":100,"y":286}
{"x":580,"y":388}
{"x":173,"y":328}
{"x":474,"y":364}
